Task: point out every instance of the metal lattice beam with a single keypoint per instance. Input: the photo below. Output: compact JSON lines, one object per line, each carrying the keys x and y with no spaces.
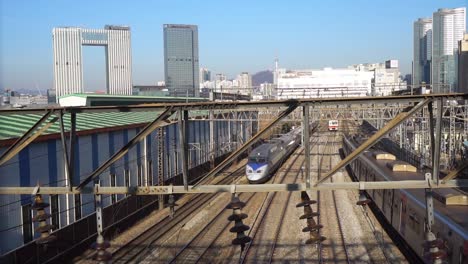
{"x":142,"y":134}
{"x":373,"y":139}
{"x":239,"y":188}
{"x":228,"y":160}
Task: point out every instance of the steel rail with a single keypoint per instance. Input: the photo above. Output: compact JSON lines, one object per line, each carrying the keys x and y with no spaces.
{"x":260,"y":217}
{"x":340,"y":225}
{"x":279,"y":226}
{"x":130,"y":251}
{"x":320,"y":248}
{"x":249,"y":143}
{"x":210,"y":224}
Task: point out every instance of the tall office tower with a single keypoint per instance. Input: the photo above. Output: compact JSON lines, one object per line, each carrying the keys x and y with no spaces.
{"x":463,"y":65}
{"x":68,"y":62}
{"x":448,"y":28}
{"x":181,"y":60}
{"x":422,"y":51}
{"x":205,"y":75}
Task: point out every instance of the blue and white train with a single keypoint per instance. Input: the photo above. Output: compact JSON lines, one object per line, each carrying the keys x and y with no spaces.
{"x":267,"y":158}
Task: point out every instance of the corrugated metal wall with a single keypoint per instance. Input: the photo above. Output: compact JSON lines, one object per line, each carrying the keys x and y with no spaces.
{"x":42,"y":163}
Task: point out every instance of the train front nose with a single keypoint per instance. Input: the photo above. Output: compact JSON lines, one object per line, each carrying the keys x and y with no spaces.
{"x":256,"y":173}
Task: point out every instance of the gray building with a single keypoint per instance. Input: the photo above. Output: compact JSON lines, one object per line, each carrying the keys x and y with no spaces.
{"x":68,"y":61}
{"x":463,"y":64}
{"x":181,"y":60}
{"x":422,"y":50}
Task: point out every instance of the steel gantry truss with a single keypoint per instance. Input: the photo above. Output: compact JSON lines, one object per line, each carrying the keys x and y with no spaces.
{"x":409,"y":106}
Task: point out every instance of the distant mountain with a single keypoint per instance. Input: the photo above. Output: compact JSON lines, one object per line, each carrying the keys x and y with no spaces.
{"x":26,"y":91}
{"x":262,"y":77}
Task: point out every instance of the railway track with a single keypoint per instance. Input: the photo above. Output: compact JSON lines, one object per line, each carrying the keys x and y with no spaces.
{"x":259,"y":206}
{"x":262,"y":249}
{"x":209,"y":240}
{"x":136,"y":249}
{"x":334,"y":248}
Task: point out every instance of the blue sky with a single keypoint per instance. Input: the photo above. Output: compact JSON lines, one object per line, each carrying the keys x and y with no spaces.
{"x":234,"y":36}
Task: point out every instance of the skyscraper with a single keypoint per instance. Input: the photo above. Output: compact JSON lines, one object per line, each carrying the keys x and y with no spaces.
{"x":463,"y":65}
{"x":181,"y":60}
{"x":422,"y":50}
{"x":68,"y":62}
{"x":448,"y":28}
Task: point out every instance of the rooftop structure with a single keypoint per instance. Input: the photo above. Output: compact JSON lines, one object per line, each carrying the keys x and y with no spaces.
{"x":105,"y":99}
{"x":323,"y":83}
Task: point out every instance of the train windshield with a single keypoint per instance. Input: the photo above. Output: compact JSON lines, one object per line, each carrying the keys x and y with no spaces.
{"x":257,"y":159}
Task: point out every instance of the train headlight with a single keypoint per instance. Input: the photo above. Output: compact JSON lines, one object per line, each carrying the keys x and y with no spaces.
{"x":249,"y":171}
{"x":259,"y":171}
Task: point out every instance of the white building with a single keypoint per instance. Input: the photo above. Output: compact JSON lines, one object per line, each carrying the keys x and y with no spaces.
{"x":323,"y":83}
{"x":387,"y":81}
{"x":448,"y":28}
{"x":205,"y":75}
{"x":244,"y":81}
{"x":68,"y":62}
{"x":266,"y":91}
{"x":422,"y":50}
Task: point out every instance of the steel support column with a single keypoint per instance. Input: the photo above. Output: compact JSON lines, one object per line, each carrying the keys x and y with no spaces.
{"x":436,"y":146}
{"x":212,"y":141}
{"x":306,"y":141}
{"x":71,"y":169}
{"x":66,"y":161}
{"x":183,"y":138}
{"x":249,"y":143}
{"x":142,"y":134}
{"x":373,"y":139}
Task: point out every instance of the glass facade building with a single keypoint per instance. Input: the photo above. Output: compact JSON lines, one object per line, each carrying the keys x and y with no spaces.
{"x":448,"y":28}
{"x":422,"y":50}
{"x":181,"y":69}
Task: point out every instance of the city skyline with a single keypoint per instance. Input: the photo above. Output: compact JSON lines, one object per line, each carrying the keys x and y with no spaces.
{"x":304,"y":36}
